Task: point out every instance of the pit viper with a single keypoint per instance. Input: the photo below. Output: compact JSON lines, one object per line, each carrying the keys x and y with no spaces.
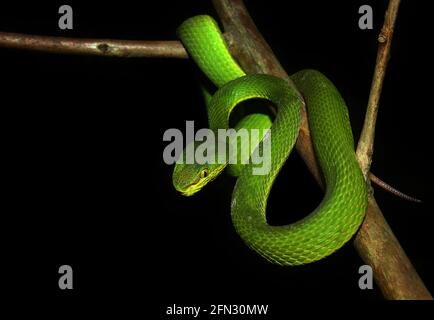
{"x":342,"y":209}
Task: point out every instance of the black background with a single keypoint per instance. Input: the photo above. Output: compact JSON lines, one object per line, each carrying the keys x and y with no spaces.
{"x":88,"y":186}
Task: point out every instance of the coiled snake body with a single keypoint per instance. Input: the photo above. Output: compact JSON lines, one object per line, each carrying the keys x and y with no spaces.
{"x":342,"y":209}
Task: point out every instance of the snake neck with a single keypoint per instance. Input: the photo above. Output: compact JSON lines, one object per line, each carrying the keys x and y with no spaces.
{"x":206,"y":45}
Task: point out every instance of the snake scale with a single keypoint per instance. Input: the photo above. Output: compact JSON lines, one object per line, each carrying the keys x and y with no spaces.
{"x":340,"y":213}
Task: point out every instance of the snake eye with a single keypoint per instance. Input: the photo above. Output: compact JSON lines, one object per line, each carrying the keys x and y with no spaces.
{"x":204,"y":173}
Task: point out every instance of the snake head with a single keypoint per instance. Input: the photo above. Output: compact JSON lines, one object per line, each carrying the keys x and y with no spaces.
{"x":190,"y":178}
{"x":191,"y":174}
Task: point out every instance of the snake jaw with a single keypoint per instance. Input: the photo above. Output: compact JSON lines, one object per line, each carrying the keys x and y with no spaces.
{"x":190,"y":190}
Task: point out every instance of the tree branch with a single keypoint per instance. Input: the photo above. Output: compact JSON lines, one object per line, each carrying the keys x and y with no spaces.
{"x":375,"y":242}
{"x":97,"y":47}
{"x":255,"y":56}
{"x":365,"y":147}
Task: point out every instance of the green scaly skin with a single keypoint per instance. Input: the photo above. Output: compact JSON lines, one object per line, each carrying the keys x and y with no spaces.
{"x":342,"y":209}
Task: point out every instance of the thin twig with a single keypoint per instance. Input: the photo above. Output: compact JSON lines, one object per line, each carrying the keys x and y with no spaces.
{"x":375,"y":242}
{"x":365,"y":146}
{"x":391,"y":189}
{"x":98,"y":47}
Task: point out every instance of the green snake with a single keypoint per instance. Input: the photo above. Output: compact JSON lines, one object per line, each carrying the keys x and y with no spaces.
{"x":342,"y":209}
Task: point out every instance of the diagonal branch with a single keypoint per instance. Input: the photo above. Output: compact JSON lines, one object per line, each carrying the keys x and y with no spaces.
{"x":375,"y":242}
{"x":255,"y":56}
{"x":365,"y":147}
